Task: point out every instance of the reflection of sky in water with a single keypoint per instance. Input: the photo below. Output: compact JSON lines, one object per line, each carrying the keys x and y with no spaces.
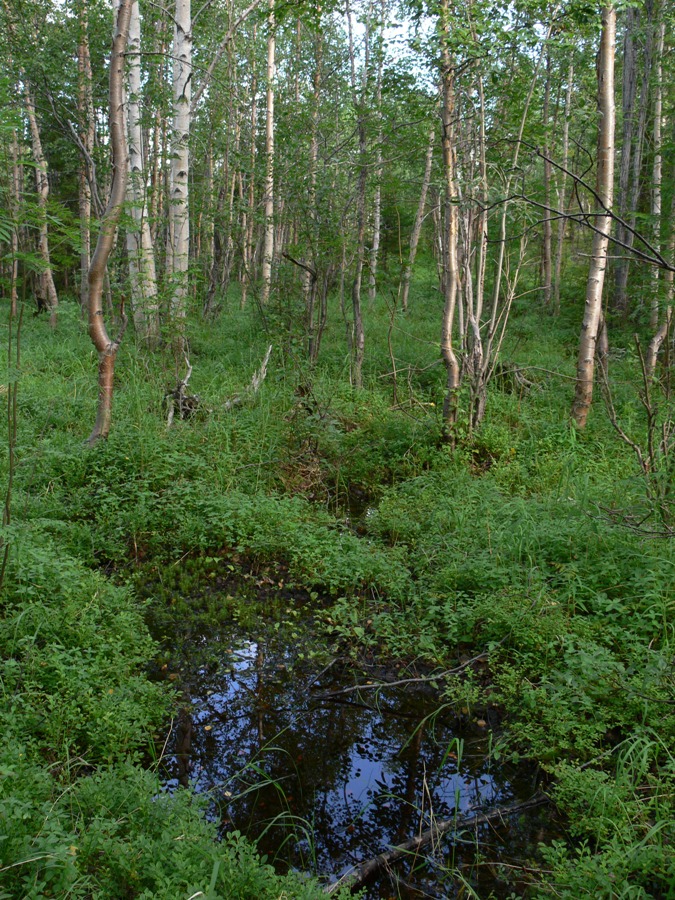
{"x":360,"y":770}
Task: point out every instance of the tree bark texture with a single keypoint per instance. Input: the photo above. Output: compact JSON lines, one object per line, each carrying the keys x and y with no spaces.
{"x":638,"y":153}
{"x":450,"y":230}
{"x":665,"y":329}
{"x":106,"y":347}
{"x":268,"y":244}
{"x":140,"y":249}
{"x":657,"y":171}
{"x":49,"y":297}
{"x":605,"y":187}
{"x":377,"y":202}
{"x":178,"y":251}
{"x":87,"y":126}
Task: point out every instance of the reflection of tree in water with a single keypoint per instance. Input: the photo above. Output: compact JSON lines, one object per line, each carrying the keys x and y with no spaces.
{"x":342,"y":778}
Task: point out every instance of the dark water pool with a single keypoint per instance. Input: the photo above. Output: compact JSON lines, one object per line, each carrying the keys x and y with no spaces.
{"x":324,"y":776}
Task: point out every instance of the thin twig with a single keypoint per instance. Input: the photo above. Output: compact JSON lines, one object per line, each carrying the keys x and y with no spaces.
{"x":359,"y":875}
{"x":422,"y":679}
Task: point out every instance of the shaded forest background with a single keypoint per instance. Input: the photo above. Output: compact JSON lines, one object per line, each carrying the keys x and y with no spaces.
{"x":409,"y":258}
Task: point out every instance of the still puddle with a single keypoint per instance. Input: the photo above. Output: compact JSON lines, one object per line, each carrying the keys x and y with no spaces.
{"x":324,"y":776}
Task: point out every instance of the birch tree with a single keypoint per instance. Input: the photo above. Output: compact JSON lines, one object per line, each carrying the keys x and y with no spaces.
{"x":178,"y":247}
{"x":139,"y":240}
{"x":419,"y":220}
{"x":605,"y":188}
{"x":106,"y":346}
{"x":268,"y":244}
{"x":87,"y":127}
{"x":48,"y":296}
{"x":450,"y":279}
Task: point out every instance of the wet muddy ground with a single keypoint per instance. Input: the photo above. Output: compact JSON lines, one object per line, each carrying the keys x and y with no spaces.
{"x":324,"y":767}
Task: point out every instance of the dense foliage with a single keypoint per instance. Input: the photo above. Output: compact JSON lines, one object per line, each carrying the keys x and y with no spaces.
{"x":425,"y":181}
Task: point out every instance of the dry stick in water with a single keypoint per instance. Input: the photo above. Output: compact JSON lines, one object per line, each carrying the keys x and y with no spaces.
{"x":359,"y":875}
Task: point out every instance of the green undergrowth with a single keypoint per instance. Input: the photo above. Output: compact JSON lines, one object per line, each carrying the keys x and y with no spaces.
{"x":82,"y":812}
{"x":510,"y":543}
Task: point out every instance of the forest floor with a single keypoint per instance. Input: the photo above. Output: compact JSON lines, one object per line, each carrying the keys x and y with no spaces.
{"x":519,"y":548}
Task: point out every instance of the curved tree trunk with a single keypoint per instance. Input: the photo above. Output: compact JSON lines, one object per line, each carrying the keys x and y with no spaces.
{"x":605,"y":187}
{"x":107,"y":348}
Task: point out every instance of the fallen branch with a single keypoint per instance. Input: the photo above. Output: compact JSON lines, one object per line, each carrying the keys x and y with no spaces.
{"x":178,"y":401}
{"x":420,"y":679}
{"x":359,"y":875}
{"x":254,"y":387}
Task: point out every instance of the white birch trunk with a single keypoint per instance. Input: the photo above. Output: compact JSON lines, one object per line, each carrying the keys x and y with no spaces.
{"x":657,"y":172}
{"x":665,"y":330}
{"x":605,"y":189}
{"x":140,"y":250}
{"x":178,"y":249}
{"x":377,"y":202}
{"x":450,"y":228}
{"x":48,"y":288}
{"x":87,"y":125}
{"x":248,"y":223}
{"x":268,"y":246}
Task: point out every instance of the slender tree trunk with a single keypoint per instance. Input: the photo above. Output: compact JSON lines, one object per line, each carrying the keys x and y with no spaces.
{"x":15,"y":206}
{"x":665,"y":330}
{"x":628,"y":92}
{"x":562,"y":193}
{"x":310,"y":284}
{"x":158,"y":143}
{"x":450,"y":266}
{"x":419,"y":219}
{"x":475,"y":299}
{"x":482,"y":237}
{"x":377,"y":202}
{"x":358,"y":338}
{"x":87,"y":126}
{"x":547,"y":248}
{"x":605,"y":188}
{"x":268,"y":246}
{"x":249,"y":224}
{"x":107,"y":348}
{"x":657,"y":172}
{"x":140,"y":249}
{"x":178,"y":250}
{"x":632,"y":176}
{"x":48,"y":289}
